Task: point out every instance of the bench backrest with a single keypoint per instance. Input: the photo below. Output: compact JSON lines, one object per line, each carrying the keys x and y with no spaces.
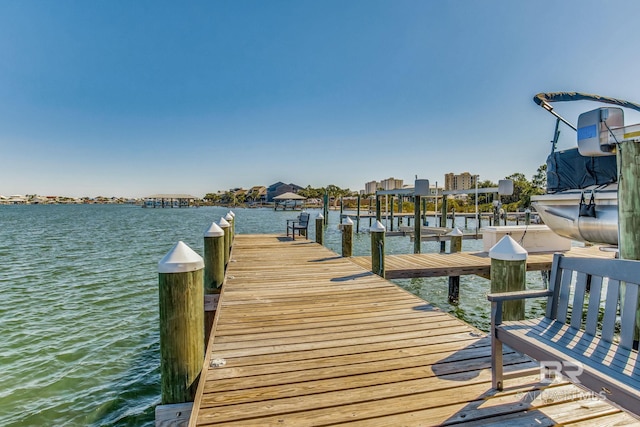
{"x":304,"y":219}
{"x":591,"y":282}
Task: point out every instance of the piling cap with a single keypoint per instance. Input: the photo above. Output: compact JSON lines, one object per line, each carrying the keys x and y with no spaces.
{"x":456,"y":232}
{"x":348,"y":221}
{"x":223,"y":223}
{"x":180,"y":259}
{"x":508,"y":249}
{"x":214,"y":231}
{"x":320,"y":216}
{"x":377,"y":228}
{"x":228,"y":216}
{"x":232,"y":214}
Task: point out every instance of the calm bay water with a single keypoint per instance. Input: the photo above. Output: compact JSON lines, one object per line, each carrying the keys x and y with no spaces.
{"x":79,"y":304}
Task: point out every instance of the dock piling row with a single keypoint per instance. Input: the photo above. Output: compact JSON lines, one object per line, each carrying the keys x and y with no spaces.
{"x":189,"y":287}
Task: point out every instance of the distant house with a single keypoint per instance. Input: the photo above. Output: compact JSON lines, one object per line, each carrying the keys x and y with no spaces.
{"x":257,"y":193}
{"x":274,"y":190}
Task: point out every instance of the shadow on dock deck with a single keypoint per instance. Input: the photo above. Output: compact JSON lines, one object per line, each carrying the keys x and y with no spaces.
{"x":304,"y":337}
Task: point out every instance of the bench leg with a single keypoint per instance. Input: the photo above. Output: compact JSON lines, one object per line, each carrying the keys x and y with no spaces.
{"x":496,"y":363}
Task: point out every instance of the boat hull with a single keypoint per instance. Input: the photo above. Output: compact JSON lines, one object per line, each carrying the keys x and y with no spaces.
{"x":560,"y":212}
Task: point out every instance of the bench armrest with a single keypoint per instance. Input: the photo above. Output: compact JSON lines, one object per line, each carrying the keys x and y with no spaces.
{"x":498,"y":298}
{"x":510,"y":296}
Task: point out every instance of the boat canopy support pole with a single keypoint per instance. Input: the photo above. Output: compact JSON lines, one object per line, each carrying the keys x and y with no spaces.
{"x":556,"y":136}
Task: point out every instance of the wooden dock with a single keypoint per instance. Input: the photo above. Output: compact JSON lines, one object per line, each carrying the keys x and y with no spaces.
{"x":304,"y":337}
{"x":408,"y":266}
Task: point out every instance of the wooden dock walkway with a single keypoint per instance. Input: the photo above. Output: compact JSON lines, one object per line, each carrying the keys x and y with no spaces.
{"x":407,"y":266}
{"x":304,"y":337}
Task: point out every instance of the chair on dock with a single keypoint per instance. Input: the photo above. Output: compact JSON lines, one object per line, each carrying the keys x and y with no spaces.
{"x":301,"y":223}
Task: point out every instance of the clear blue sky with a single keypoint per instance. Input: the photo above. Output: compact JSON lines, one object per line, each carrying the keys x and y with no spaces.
{"x":130,"y":98}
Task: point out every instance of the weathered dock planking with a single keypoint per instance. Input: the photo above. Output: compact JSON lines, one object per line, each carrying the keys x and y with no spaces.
{"x":305,"y":337}
{"x":462,"y":263}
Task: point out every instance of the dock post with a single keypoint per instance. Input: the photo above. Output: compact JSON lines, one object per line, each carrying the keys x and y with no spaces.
{"x":420,"y":190}
{"x":319,"y":229}
{"x":347,"y":238}
{"x":527,"y":216}
{"x":509,"y":274}
{"x":628,"y":154}
{"x":377,"y":248}
{"x":226,"y":227}
{"x":232,"y":228}
{"x":325,"y":207}
{"x":213,"y":274}
{"x":181,"y":296}
{"x":391,"y":213}
{"x":455,"y":246}
{"x":466,"y":218}
{"x":417,"y":225}
{"x":341,"y":208}
{"x":358,"y":215}
{"x":233,"y":224}
{"x":400,"y":208}
{"x":453,"y":218}
{"x":443,"y":220}
{"x":378,"y":209}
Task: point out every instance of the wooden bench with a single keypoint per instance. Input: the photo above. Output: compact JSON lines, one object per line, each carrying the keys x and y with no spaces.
{"x":299,"y":224}
{"x":575,"y":338}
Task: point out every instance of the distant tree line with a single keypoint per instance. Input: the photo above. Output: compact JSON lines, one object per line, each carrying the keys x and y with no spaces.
{"x":523,"y":190}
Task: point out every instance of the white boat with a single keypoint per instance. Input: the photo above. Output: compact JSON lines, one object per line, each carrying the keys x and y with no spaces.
{"x":582,"y":189}
{"x":561,"y":212}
